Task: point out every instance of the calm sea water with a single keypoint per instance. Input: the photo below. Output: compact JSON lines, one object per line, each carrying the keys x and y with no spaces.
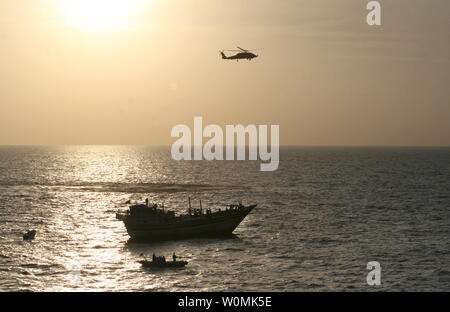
{"x":321,"y":217}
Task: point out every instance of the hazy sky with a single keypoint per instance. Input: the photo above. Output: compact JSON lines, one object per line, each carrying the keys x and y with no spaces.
{"x":105,"y":72}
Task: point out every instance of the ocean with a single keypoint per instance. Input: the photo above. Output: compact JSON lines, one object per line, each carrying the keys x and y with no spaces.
{"x":321,"y":217}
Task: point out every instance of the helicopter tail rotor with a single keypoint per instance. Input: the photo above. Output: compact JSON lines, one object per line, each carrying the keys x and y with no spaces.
{"x":223,"y":54}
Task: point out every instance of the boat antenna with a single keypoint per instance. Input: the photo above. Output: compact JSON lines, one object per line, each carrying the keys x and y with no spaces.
{"x":189,"y":199}
{"x":200,"y":206}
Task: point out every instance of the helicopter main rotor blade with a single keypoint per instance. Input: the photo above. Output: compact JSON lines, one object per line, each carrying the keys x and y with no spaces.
{"x":240,"y":50}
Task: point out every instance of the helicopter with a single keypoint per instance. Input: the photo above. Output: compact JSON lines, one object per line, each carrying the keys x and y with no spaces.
{"x":243,"y":54}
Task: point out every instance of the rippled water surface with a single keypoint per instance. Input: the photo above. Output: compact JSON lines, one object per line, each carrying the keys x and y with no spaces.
{"x":321,"y":217}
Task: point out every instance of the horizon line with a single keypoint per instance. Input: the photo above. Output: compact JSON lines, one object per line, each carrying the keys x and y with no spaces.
{"x":224,"y":146}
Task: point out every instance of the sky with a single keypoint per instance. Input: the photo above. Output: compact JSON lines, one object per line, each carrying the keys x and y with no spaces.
{"x":127,"y":71}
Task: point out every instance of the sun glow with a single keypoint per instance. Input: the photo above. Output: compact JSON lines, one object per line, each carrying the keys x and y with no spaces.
{"x":102,"y":14}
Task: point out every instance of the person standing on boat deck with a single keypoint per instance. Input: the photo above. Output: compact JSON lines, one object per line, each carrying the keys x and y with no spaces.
{"x":174,"y":257}
{"x":146,"y":202}
{"x":154,"y":257}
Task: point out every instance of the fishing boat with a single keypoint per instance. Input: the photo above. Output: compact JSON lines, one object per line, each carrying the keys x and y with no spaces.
{"x":149,"y":222}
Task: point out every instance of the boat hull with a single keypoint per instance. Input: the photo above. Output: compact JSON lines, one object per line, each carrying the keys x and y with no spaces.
{"x":213,"y":225}
{"x":168,"y":264}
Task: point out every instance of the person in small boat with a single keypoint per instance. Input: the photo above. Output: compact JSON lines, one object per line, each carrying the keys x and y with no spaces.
{"x":174,"y":257}
{"x":154,"y":257}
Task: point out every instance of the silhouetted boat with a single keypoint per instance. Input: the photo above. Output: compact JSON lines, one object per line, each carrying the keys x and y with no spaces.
{"x":144,"y":222}
{"x":160,"y":264}
{"x":29,"y":235}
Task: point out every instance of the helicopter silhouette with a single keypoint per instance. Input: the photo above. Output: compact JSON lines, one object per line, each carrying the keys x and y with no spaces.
{"x":243,"y":54}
